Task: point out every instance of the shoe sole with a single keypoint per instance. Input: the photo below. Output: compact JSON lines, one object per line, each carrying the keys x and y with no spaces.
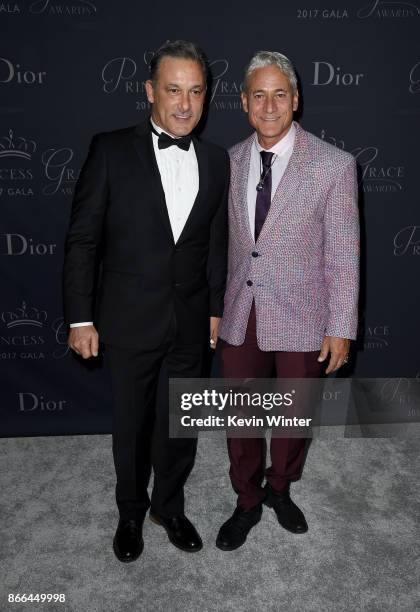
{"x":126,"y":560}
{"x":156,"y":521}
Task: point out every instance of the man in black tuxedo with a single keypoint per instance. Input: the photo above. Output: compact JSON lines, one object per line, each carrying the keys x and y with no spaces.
{"x":151,"y":207}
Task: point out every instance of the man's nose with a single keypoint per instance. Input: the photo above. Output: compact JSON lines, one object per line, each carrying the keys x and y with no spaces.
{"x":185,"y":101}
{"x":270,"y":104}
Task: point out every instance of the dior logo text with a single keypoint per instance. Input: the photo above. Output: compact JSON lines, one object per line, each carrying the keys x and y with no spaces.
{"x":18,"y":244}
{"x":10,"y":72}
{"x":327,"y":74}
{"x":28,"y":402}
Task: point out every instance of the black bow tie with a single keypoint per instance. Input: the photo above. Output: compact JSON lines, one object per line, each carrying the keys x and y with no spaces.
{"x":165,"y":141}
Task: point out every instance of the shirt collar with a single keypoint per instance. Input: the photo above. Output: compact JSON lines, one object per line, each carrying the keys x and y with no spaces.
{"x":282,"y":145}
{"x":159,"y":129}
{"x":156,"y":126}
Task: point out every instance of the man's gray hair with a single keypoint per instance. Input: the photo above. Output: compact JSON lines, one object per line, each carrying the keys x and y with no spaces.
{"x":272,"y":58}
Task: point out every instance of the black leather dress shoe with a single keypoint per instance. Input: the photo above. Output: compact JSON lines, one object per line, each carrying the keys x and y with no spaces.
{"x":181,"y":532}
{"x":128,"y":541}
{"x":234,"y":532}
{"x":288,"y":514}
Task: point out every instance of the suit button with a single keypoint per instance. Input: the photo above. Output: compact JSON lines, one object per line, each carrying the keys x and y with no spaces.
{"x":249,"y":283}
{"x":254,"y":254}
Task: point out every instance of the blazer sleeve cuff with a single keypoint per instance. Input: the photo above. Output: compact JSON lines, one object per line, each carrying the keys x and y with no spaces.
{"x":216,"y":307}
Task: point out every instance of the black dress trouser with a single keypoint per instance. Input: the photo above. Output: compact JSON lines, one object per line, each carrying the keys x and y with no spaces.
{"x":140,"y":438}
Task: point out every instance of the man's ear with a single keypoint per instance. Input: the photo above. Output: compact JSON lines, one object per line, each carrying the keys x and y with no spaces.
{"x":244,"y":99}
{"x":295,"y":102}
{"x":149,"y":91}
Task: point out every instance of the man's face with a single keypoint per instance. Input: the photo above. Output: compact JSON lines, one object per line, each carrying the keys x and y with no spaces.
{"x":269,"y":102}
{"x":177,"y":95}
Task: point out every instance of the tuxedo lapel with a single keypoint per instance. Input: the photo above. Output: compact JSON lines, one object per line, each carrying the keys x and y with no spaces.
{"x":290,"y":181}
{"x":144,"y":146}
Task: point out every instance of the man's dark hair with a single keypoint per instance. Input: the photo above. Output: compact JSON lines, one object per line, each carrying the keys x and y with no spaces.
{"x":182,"y":49}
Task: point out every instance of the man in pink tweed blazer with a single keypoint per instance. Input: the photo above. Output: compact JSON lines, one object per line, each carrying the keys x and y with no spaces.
{"x":293,"y":276}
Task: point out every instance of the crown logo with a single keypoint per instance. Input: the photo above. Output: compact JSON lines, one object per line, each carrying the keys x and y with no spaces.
{"x":24,"y":316}
{"x":16,"y":147}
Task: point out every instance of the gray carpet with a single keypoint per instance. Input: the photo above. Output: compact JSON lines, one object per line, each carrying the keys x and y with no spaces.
{"x":360,"y":497}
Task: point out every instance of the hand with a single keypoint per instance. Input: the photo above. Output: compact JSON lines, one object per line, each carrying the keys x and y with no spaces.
{"x":84,"y":341}
{"x":339,"y":349}
{"x":214,"y":331}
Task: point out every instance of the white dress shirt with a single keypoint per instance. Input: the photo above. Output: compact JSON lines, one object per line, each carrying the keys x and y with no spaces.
{"x":179,"y":174}
{"x":282,"y":152}
{"x":180,"y":181}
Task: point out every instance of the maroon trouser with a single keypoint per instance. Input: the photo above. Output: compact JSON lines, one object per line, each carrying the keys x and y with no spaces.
{"x":247,"y":455}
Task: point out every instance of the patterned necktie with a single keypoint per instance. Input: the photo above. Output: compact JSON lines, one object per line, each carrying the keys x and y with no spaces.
{"x":264,"y":194}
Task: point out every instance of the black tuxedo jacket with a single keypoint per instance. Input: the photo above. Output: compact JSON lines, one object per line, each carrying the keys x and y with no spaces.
{"x":119,"y":220}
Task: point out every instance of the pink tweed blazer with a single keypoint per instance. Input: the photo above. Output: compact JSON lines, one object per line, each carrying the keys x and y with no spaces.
{"x":305,"y":279}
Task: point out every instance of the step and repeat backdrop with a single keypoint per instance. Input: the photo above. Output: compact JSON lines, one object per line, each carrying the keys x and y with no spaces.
{"x":71,"y":68}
